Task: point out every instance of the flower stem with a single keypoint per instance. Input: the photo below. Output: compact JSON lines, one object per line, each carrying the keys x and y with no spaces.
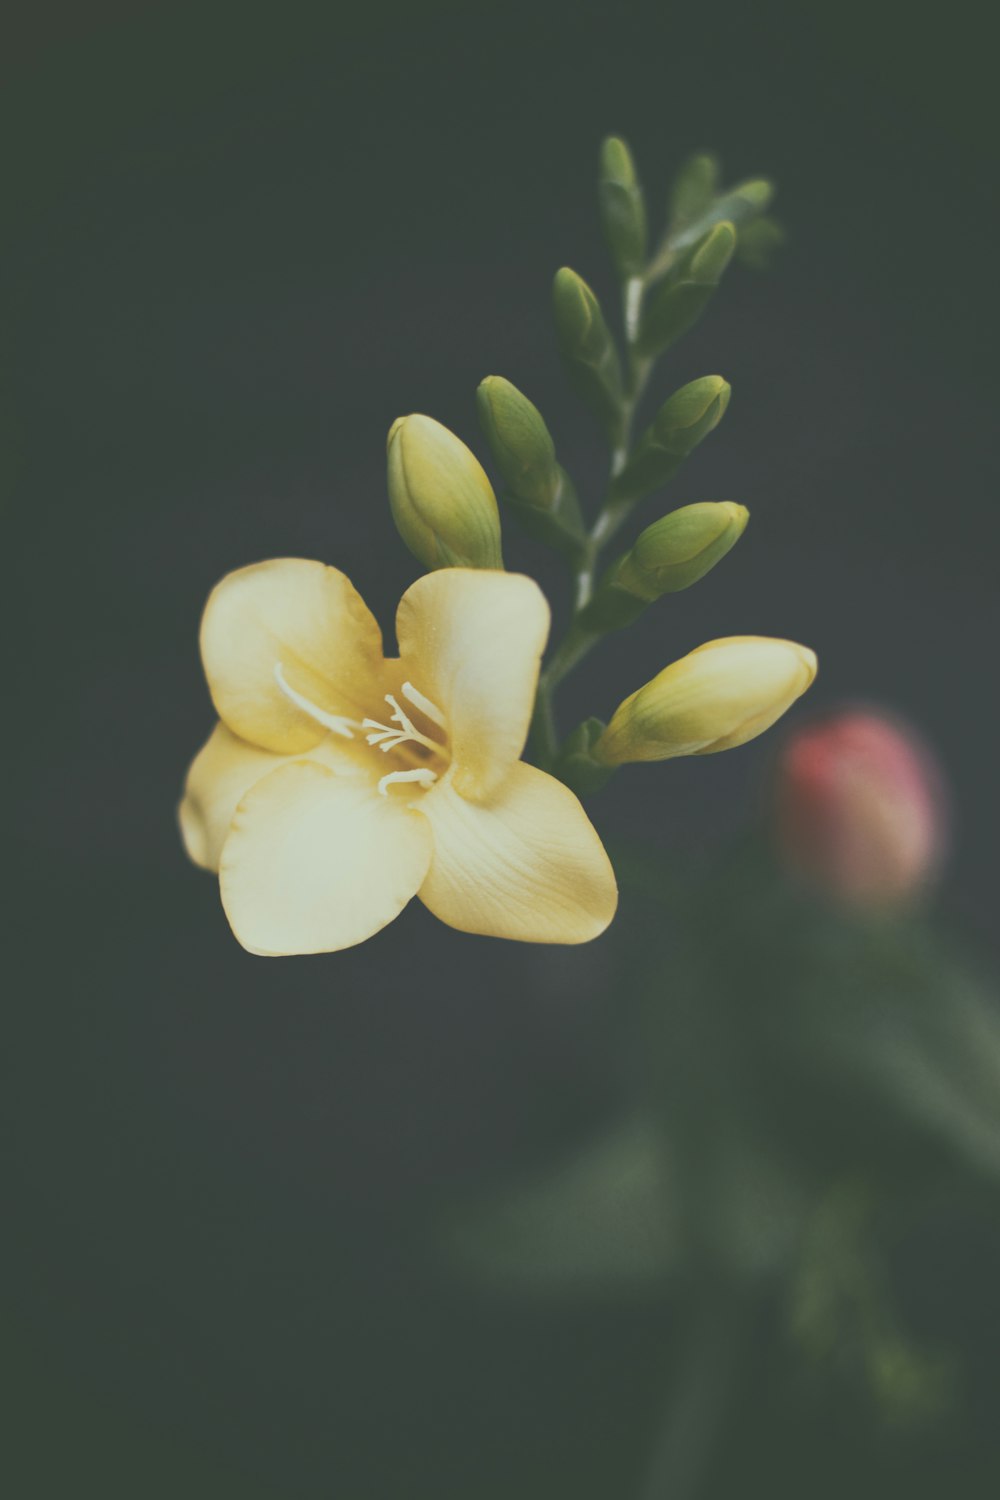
{"x":542,"y":734}
{"x":698,"y":1400}
{"x":578,"y":641}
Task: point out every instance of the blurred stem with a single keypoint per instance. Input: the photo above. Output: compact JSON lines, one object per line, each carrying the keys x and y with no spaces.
{"x":664,"y":258}
{"x":571,"y":650}
{"x":699,"y":1396}
{"x":543,"y":735}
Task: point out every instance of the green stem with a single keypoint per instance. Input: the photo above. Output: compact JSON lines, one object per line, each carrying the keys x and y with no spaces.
{"x":613,"y":513}
{"x":543,"y":734}
{"x":697,"y":1403}
{"x":586,"y":566}
{"x":569,"y":653}
{"x":577,"y":641}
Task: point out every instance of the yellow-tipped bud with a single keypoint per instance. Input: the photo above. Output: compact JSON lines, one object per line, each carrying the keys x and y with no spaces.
{"x":719,"y":696}
{"x":442,"y":502}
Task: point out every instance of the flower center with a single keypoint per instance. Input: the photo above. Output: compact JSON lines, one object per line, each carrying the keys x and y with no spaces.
{"x":387,"y":737}
{"x":399,"y":735}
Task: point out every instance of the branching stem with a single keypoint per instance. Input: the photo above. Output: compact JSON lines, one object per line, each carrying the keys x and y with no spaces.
{"x":578,"y":641}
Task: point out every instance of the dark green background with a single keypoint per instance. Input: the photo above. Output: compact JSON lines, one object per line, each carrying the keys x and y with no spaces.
{"x":240,"y":244}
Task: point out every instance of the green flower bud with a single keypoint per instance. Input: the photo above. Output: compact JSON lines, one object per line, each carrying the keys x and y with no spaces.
{"x":669,"y":556}
{"x":739,"y":206}
{"x":519,"y":439}
{"x":759,"y":242}
{"x":442,"y":502}
{"x":719,"y":696}
{"x":687,"y":417}
{"x":679,"y":301}
{"x":693,"y":191}
{"x":623,"y":208}
{"x":680,"y":548}
{"x":588,"y":349}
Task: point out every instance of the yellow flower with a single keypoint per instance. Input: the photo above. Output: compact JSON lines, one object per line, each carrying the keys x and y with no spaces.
{"x":340,"y":784}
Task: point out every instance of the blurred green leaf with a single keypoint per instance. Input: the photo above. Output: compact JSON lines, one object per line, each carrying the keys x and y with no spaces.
{"x":931,"y":1046}
{"x":759,"y":242}
{"x":874,"y":1041}
{"x":602,"y":1220}
{"x":841,"y":1313}
{"x":752,"y":1204}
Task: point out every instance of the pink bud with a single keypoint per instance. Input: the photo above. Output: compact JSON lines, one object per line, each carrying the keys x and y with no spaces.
{"x":860,"y":808}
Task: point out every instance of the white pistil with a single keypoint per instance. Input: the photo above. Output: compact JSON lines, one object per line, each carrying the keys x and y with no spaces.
{"x":390,"y":739}
{"x":423,"y":776}
{"x":336,"y":723}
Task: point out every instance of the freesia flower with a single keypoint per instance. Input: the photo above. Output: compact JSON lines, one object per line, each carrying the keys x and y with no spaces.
{"x":339,"y":784}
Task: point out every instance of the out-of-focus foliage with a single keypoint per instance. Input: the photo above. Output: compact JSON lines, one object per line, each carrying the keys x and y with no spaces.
{"x":816,"y":1074}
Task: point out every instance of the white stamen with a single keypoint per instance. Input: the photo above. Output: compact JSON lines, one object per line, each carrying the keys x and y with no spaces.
{"x":389,"y":739}
{"x":423,"y":775}
{"x":336,"y":723}
{"x":426,"y":707}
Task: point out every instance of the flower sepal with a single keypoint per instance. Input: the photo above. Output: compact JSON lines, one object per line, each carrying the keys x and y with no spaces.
{"x":575,"y":764}
{"x":562,"y":528}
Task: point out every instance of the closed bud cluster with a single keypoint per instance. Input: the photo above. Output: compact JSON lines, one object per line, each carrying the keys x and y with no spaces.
{"x":860,"y":809}
{"x":442,"y":502}
{"x":520,"y":443}
{"x":623,"y":208}
{"x":740,"y":206}
{"x":678,"y":303}
{"x":719,"y":696}
{"x":679,"y":426}
{"x":587,"y":348}
{"x":680,"y":548}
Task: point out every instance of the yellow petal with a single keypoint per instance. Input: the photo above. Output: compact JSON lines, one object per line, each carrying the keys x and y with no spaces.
{"x":526,"y":864}
{"x":223,"y":771}
{"x":308,"y":621}
{"x":317,"y":861}
{"x":471,"y":641}
{"x":224,"y":768}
